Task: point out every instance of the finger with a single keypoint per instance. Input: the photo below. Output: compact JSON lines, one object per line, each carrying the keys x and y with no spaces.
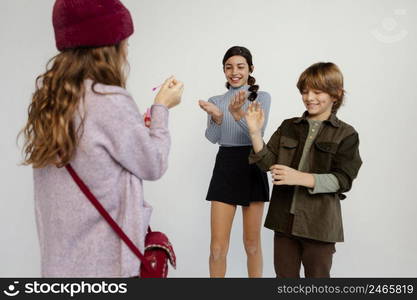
{"x":168,"y":81}
{"x":278,"y":177}
{"x":172,"y":83}
{"x":273,"y":171}
{"x":281,"y":167}
{"x":277,"y":172}
{"x":277,"y":182}
{"x":243,"y":97}
{"x":250,"y":108}
{"x":280,"y":182}
{"x":236,"y":99}
{"x":273,"y":167}
{"x":178,"y":85}
{"x":244,"y":94}
{"x":202,"y":103}
{"x":254,"y":106}
{"x":203,"y":108}
{"x":277,"y":169}
{"x":181,"y":88}
{"x":175,"y":83}
{"x":232,"y":101}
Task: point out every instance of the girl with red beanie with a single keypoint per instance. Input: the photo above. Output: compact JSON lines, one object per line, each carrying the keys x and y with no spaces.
{"x":82,"y":114}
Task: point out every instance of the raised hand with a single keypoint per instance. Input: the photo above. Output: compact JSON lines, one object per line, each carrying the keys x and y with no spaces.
{"x":212,"y":109}
{"x":170,"y":92}
{"x":255,"y":117}
{"x":235,"y":105}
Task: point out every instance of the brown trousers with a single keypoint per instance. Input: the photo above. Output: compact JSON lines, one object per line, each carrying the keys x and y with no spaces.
{"x":290,"y":251}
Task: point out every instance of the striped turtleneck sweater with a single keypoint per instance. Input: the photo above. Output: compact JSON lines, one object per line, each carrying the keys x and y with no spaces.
{"x":230,"y":132}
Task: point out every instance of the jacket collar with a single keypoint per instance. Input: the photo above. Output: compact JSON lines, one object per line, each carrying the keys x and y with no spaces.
{"x":333,"y":120}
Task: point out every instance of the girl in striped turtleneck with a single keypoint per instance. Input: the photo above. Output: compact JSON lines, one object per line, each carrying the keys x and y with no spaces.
{"x":234,"y":181}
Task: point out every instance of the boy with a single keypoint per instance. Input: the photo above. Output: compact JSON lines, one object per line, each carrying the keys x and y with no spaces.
{"x":313,"y":160}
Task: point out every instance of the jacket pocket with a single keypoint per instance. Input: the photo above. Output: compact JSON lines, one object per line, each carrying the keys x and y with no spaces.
{"x":288,"y":142}
{"x":327,"y":147}
{"x":287,"y":149}
{"x":323,"y":156}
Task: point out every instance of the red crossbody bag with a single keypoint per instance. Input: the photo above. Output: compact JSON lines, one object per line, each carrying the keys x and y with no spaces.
{"x":158,"y":249}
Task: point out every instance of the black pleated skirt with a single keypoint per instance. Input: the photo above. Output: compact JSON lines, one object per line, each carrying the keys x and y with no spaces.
{"x":235,"y":181}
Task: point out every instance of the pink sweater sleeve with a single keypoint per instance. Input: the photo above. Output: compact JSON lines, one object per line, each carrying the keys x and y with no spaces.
{"x":140,"y":150}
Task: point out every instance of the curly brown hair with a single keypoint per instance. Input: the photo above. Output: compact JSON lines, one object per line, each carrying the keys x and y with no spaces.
{"x":50,"y":136}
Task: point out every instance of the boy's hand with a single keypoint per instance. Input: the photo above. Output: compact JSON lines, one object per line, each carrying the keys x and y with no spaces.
{"x":283,"y":175}
{"x":255,"y":118}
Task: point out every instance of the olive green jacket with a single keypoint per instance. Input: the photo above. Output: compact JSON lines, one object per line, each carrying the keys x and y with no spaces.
{"x":335,"y":151}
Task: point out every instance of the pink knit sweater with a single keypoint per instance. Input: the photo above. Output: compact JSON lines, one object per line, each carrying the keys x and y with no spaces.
{"x":115,"y":153}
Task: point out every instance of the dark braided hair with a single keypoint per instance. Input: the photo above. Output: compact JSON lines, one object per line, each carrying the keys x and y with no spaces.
{"x":244,"y":52}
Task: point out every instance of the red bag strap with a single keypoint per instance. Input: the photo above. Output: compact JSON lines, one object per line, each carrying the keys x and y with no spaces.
{"x":83,"y":187}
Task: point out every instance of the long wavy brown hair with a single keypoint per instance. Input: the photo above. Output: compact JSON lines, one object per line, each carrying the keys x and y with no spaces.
{"x":50,"y":134}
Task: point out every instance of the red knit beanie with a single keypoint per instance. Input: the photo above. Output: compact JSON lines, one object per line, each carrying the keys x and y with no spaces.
{"x":90,"y":23}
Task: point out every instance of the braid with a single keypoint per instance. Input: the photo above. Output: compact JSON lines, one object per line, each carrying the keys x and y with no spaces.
{"x":253,"y":88}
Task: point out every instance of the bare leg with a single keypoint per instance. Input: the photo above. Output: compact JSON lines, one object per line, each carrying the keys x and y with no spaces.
{"x":222,"y":215}
{"x":252,"y":218}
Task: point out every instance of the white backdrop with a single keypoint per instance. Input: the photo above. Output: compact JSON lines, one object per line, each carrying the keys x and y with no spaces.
{"x":374,"y":44}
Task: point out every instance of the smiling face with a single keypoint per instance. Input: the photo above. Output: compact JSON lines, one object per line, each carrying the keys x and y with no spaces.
{"x":318,"y":104}
{"x":237,"y":70}
{"x":321,"y":87}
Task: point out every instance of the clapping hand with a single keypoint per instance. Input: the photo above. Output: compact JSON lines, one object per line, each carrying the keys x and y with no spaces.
{"x":255,"y":117}
{"x":212,"y":109}
{"x":235,"y":105}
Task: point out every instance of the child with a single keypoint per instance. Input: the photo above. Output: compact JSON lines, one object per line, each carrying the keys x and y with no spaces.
{"x":313,"y":160}
{"x":82,"y":114}
{"x":234,"y":181}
